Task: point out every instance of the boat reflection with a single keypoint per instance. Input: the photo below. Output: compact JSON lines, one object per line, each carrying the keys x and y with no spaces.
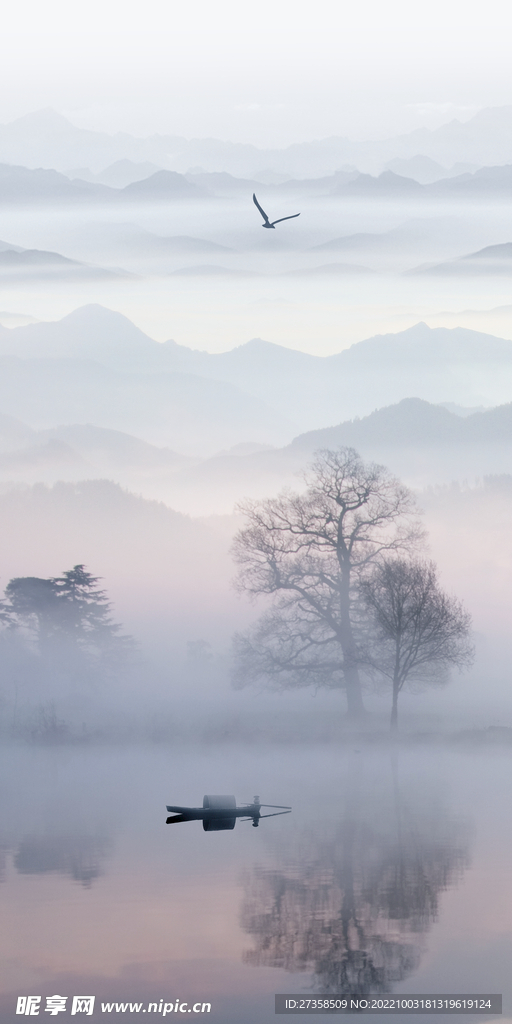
{"x":353,"y":902}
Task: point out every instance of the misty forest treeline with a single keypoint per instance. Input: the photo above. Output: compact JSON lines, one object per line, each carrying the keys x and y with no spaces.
{"x":351,"y":599}
{"x":65,"y":622}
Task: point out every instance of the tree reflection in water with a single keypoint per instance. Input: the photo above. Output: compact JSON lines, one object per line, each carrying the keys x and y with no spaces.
{"x":353,"y":903}
{"x":78,"y":856}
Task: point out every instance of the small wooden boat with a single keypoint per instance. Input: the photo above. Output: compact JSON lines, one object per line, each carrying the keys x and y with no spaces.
{"x":220,"y":812}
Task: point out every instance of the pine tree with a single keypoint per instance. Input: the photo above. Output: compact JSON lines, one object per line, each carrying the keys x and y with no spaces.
{"x":68,"y":613}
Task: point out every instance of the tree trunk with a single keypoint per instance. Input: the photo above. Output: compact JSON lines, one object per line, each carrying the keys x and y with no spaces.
{"x":394,"y":707}
{"x":355,"y":706}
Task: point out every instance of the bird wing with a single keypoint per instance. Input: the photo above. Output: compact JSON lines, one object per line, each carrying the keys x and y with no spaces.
{"x":256,"y":203}
{"x":285,"y":218}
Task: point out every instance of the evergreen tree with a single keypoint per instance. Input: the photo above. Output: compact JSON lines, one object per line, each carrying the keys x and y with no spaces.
{"x":65,"y":614}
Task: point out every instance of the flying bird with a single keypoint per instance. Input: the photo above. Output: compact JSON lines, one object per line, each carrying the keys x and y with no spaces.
{"x":267,"y":223}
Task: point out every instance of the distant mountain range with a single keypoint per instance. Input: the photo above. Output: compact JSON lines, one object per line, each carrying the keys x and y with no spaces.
{"x":22,"y":264}
{"x":161,"y":186}
{"x":117,"y":242}
{"x":78,"y":447}
{"x":9,"y":247}
{"x":413,"y":423}
{"x":96,"y":361}
{"x":22,"y":185}
{"x":425,"y":170}
{"x":46,"y":139}
{"x":19,"y":184}
{"x":118,"y":174}
{"x":228,"y":186}
{"x":192,"y":414}
{"x":493,"y":259}
{"x":421,"y":442}
{"x":152,"y":253}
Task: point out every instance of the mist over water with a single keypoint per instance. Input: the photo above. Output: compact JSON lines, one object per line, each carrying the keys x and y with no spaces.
{"x":384,"y":866}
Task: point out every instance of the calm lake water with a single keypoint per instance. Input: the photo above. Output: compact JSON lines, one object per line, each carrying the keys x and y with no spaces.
{"x":392,"y":874}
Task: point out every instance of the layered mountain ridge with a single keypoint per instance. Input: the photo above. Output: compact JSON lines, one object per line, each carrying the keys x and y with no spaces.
{"x":46,"y":138}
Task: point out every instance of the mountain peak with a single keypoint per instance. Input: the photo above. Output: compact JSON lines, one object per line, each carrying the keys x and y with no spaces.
{"x":417,"y":330}
{"x":259,"y":343}
{"x":94,"y":311}
{"x":263,"y":355}
{"x":46,"y":120}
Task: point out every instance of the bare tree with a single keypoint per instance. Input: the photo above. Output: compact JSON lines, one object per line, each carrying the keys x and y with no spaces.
{"x":419,"y":631}
{"x":307,"y":551}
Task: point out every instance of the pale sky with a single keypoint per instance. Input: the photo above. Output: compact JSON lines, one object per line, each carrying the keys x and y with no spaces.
{"x":270,"y":73}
